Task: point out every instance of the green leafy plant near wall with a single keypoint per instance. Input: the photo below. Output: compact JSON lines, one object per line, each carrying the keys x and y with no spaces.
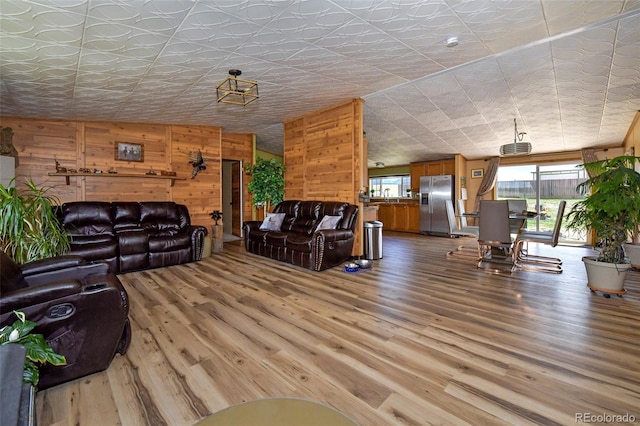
{"x":267,"y":182}
{"x":611,"y":207}
{"x":29,"y":229}
{"x":38,"y":350}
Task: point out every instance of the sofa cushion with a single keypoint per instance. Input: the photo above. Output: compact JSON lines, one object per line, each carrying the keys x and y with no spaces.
{"x":257,"y":236}
{"x":96,"y":250}
{"x":87,"y":218}
{"x":304,"y":226}
{"x":272,"y":222}
{"x":169,"y":243}
{"x":299,"y":242}
{"x":126,"y":216}
{"x":133,"y":242}
{"x":276,"y":238}
{"x":159,"y":218}
{"x":328,"y":222}
{"x":80,"y":240}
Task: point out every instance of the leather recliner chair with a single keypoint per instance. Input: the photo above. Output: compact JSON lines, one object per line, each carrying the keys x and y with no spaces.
{"x":81,"y":309}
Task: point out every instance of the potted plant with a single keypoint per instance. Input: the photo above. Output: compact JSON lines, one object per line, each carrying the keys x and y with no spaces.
{"x":29,"y":229}
{"x":611,"y":209}
{"x":267,"y":182}
{"x":38,"y":351}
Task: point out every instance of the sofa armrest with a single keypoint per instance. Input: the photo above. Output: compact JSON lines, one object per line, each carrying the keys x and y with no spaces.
{"x":32,"y":296}
{"x":251,"y":225}
{"x":51,"y":264}
{"x":332,"y":247}
{"x":197,"y":234}
{"x":335,"y":234}
{"x":79,"y":272}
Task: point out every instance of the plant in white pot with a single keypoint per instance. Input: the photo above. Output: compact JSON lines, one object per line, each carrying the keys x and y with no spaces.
{"x":611,"y":209}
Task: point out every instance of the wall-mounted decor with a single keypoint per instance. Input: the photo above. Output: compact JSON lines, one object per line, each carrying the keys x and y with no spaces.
{"x":198,"y":162}
{"x":125,"y":151}
{"x":477,"y":173}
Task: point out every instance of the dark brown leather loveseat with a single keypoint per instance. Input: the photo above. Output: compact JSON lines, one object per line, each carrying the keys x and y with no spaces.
{"x":298,"y":239}
{"x":80,"y":308}
{"x":132,"y":236}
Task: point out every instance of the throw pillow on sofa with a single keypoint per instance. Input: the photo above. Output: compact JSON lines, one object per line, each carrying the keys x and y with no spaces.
{"x":328,"y":222}
{"x":272,"y":222}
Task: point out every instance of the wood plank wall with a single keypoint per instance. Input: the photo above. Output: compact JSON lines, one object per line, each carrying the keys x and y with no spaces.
{"x":294,"y":159}
{"x":91,"y":145}
{"x":324,"y":157}
{"x":202,"y":194}
{"x":39,"y":143}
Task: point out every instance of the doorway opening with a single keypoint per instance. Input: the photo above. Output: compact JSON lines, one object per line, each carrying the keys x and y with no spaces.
{"x":232,"y":202}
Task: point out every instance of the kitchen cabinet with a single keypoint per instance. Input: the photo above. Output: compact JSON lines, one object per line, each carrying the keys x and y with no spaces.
{"x":430,"y":168}
{"x":413,"y":218}
{"x":386,"y":215}
{"x":448,"y":167}
{"x":417,"y":170}
{"x":403,"y":217}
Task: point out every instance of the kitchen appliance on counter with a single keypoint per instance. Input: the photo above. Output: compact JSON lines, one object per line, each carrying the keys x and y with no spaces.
{"x":434,"y":191}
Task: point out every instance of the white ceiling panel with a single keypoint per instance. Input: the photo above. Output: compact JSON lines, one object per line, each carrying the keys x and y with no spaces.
{"x":567,"y":70}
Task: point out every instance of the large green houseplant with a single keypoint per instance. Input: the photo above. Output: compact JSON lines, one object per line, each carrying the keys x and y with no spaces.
{"x":611,"y":209}
{"x":29,"y":229}
{"x":267,"y":182}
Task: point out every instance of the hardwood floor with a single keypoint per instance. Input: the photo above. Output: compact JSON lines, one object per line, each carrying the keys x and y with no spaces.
{"x":419,"y":339}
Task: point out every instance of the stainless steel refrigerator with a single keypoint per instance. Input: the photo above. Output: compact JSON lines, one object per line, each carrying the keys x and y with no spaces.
{"x":434,"y":190}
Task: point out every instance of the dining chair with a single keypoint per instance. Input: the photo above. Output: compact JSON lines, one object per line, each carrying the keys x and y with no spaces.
{"x":461,"y":213}
{"x":454,"y":231}
{"x":495,"y":244}
{"x":517,"y":206}
{"x":524,"y":260}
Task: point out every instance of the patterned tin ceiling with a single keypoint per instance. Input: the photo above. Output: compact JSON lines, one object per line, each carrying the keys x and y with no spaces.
{"x":567,"y":70}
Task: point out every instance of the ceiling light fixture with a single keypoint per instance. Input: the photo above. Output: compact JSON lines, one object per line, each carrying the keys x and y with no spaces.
{"x":379,"y":164}
{"x":237,"y":91}
{"x":517,"y":147}
{"x":452,"y":42}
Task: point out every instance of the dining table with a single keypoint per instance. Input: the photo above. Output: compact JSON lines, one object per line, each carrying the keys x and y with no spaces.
{"x":517,"y":219}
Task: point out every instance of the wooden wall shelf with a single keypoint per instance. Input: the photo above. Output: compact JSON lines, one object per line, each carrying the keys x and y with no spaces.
{"x":116,"y":175}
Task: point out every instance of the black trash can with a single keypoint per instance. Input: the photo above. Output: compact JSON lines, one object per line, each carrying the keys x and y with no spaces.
{"x":373,"y":240}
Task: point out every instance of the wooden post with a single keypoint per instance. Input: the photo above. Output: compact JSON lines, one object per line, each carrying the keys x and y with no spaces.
{"x":206,"y":249}
{"x":217,"y":238}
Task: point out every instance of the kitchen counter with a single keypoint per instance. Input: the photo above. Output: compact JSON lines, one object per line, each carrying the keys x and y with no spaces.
{"x":393,"y":201}
{"x":403,"y":215}
{"x":370,"y":212}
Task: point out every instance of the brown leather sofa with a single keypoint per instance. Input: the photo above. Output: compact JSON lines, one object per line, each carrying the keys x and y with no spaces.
{"x":80,"y":308}
{"x":132,"y":236}
{"x":299,"y":241}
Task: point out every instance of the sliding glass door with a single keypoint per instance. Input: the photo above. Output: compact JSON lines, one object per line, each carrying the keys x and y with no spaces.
{"x":543,"y":187}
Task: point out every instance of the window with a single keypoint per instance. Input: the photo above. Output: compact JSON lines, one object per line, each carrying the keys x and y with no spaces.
{"x":543,"y":187}
{"x":390,"y":186}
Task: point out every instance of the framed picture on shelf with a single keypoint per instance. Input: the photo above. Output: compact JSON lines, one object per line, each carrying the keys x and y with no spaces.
{"x":126,"y":151}
{"x":477,"y":173}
